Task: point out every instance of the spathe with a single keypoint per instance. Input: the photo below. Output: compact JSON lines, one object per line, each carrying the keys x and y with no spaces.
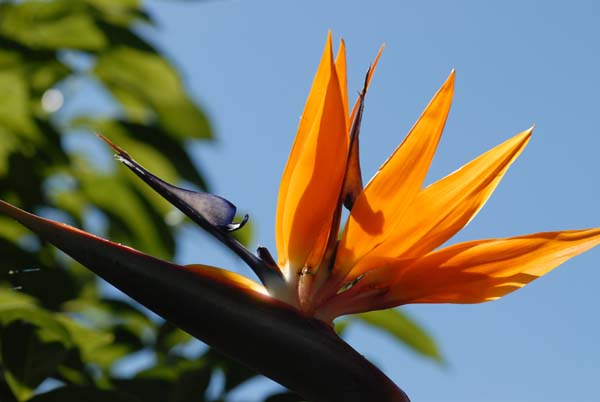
{"x":301,"y":353}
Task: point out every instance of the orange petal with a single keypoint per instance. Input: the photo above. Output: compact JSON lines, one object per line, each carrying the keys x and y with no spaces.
{"x":313,"y":176}
{"x":340,"y":68}
{"x":385,"y":199}
{"x":228,"y":277}
{"x":471,"y":272}
{"x":446,"y":206}
{"x":313,"y":103}
{"x":483,"y":270}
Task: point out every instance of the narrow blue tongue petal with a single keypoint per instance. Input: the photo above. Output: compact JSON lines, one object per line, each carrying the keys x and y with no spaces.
{"x":199,"y":206}
{"x":216,"y":210}
{"x":213,"y":213}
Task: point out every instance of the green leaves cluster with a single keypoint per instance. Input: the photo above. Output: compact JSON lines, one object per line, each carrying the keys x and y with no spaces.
{"x":60,"y":336}
{"x":56,"y":328}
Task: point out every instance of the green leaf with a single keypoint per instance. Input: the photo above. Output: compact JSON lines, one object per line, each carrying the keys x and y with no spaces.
{"x":51,"y":25}
{"x":82,"y":394}
{"x":44,"y":75}
{"x":49,"y":327}
{"x":243,"y":234}
{"x":340,"y":325}
{"x":120,"y":12}
{"x":31,"y":352}
{"x":9,"y":230}
{"x":138,"y":138}
{"x":14,"y":103}
{"x":41,"y":67}
{"x":123,"y":323}
{"x":90,"y":341}
{"x":10,"y":299}
{"x":132,"y":219}
{"x":169,"y":336}
{"x":151,"y":81}
{"x":404,"y":329}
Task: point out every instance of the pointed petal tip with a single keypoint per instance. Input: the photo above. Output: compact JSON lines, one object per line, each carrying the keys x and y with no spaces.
{"x":233,"y":226}
{"x":451,"y":78}
{"x":524,"y":136}
{"x":376,"y":61}
{"x":111,"y":144}
{"x":330,"y":37}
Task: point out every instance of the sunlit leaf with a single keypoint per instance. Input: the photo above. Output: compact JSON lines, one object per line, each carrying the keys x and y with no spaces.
{"x":7,"y":147}
{"x":51,"y":25}
{"x":131,"y":218}
{"x":152,"y":80}
{"x":15,"y":114}
{"x":121,"y":12}
{"x":46,"y":74}
{"x":403,"y":328}
{"x":138,"y":137}
{"x":90,"y":341}
{"x":340,"y":326}
{"x":169,"y":336}
{"x":244,"y":234}
{"x":10,"y":299}
{"x":33,"y":38}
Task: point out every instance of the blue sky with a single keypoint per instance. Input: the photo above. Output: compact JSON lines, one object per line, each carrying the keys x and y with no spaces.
{"x":250,"y":65}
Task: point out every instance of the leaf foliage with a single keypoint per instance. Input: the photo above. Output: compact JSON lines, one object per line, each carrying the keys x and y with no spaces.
{"x":58,"y":327}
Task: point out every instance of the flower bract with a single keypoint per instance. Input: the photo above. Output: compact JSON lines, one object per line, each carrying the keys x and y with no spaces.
{"x":389,"y":252}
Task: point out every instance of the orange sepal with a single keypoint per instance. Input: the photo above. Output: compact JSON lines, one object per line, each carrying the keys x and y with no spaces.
{"x":389,"y":193}
{"x":307,"y":196}
{"x":446,"y":206}
{"x":483,"y":270}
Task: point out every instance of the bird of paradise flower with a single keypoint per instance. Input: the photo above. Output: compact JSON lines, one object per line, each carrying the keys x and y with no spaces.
{"x":387,"y":254}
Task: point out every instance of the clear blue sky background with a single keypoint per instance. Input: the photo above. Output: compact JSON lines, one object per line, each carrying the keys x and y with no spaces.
{"x":250,"y":64}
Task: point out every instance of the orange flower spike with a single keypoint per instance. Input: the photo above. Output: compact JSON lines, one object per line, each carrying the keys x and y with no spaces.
{"x":307,"y":197}
{"x":484,"y":270}
{"x":386,"y":257}
{"x":446,"y":206}
{"x":340,"y":69}
{"x":389,"y":193}
{"x":471,"y":272}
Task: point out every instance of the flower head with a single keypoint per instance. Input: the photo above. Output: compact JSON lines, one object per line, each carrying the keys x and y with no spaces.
{"x":387,"y":254}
